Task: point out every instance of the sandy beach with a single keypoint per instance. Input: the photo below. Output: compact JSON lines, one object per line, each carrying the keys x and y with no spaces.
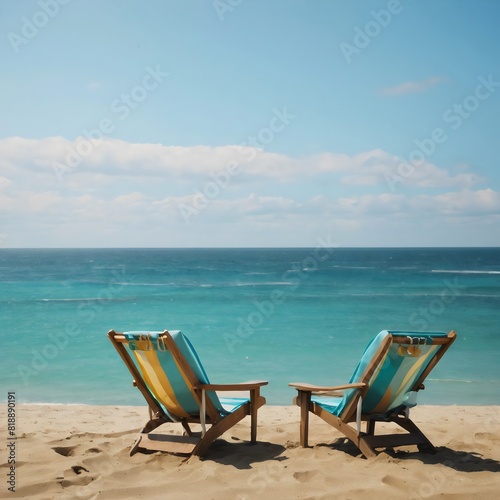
{"x":78,"y":451}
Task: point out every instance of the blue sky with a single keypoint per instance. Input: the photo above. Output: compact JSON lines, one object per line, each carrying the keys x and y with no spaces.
{"x":249,"y":123}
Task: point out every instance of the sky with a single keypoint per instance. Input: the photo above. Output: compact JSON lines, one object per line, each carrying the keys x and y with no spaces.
{"x":249,"y":123}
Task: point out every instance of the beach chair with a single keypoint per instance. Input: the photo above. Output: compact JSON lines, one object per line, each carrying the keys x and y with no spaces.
{"x":382,"y":388}
{"x":170,"y":376}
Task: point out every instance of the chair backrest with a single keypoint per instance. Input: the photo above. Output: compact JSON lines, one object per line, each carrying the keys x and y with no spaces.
{"x":170,"y":368}
{"x":394,"y":364}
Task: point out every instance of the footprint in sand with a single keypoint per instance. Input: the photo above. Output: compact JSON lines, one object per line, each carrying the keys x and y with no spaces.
{"x":305,"y":476}
{"x":93,"y":450}
{"x":78,"y":469}
{"x":483,"y":436}
{"x":65,"y":451}
{"x":81,"y":481}
{"x":394,"y":481}
{"x":77,"y":475}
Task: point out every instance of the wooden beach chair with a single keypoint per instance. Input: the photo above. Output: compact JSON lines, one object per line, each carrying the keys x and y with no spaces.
{"x":170,"y":376}
{"x":382,"y":389}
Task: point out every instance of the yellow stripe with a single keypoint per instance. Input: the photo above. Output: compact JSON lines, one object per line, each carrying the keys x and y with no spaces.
{"x":384,"y":402}
{"x":389,"y":395}
{"x":157,"y":381}
{"x":142,"y":345}
{"x":417,"y":365}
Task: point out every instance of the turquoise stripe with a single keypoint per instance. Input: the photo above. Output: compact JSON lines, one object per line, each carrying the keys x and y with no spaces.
{"x":231,"y":404}
{"x":193,"y":359}
{"x":330,"y":404}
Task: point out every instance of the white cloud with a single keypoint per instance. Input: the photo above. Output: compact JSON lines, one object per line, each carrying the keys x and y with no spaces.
{"x":427,"y":175}
{"x":39,"y":203}
{"x":413,"y":87}
{"x":130,"y":199}
{"x":58,"y":163}
{"x":4,"y":183}
{"x":370,"y":205}
{"x":136,"y":220}
{"x":459,"y":204}
{"x":7,"y":203}
{"x":94,"y":85}
{"x":132,"y":194}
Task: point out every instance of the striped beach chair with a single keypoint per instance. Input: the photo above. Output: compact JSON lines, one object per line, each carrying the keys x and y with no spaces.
{"x":382,"y":388}
{"x":168,"y":372}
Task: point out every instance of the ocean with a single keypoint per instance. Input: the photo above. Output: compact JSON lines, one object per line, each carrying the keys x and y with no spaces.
{"x":282,"y":315}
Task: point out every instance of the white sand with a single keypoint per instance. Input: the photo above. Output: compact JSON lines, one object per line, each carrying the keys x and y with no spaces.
{"x":69,"y":452}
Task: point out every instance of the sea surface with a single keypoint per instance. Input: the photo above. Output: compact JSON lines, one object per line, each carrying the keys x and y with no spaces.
{"x":283,"y":315}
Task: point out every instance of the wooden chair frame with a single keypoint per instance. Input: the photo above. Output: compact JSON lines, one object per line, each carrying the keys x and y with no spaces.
{"x":188,"y":444}
{"x":368,"y":441}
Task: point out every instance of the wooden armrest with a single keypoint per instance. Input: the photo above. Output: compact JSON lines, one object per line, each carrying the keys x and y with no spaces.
{"x":333,"y":394}
{"x":243,"y":386}
{"x":318,"y":388}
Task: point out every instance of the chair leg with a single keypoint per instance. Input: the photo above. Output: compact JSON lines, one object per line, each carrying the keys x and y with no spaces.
{"x":254,"y":395}
{"x":304,"y":400}
{"x":218,"y":429}
{"x":150,"y":426}
{"x":153,"y":424}
{"x":188,"y":430}
{"x":136,"y":446}
{"x":362,"y":441}
{"x":423,"y":443}
{"x":370,"y":427}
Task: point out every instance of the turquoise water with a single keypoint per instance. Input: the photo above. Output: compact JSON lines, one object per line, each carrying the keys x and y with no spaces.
{"x":277,"y":314}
